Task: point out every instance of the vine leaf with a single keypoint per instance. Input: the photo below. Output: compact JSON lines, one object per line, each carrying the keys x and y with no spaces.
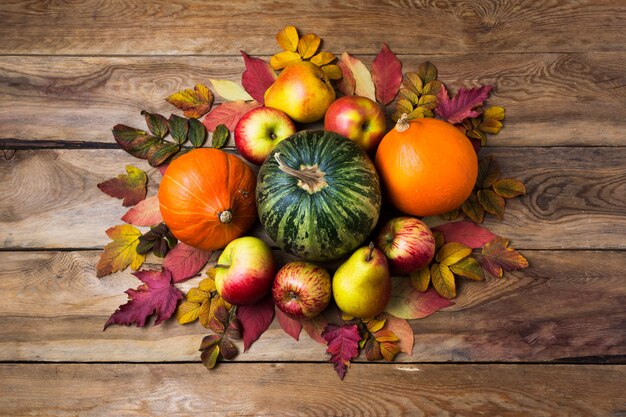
{"x":157,"y":295}
{"x":343,"y":345}
{"x":130,"y":187}
{"x":146,"y":213}
{"x":257,"y":77}
{"x":462,"y":106}
{"x":291,"y":326}
{"x":228,"y":114}
{"x":255,"y":319}
{"x":497,"y":257}
{"x":185,"y":261}
{"x":408,"y":303}
{"x":230,"y":90}
{"x":387,"y":75}
{"x":121,"y":252}
{"x":195,"y":103}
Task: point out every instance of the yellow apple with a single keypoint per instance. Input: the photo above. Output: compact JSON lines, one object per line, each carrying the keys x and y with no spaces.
{"x":303,"y":91}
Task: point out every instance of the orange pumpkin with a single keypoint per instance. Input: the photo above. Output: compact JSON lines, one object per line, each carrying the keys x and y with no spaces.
{"x":207,"y":198}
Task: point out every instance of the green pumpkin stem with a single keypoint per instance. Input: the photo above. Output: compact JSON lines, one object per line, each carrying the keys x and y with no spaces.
{"x":310,"y":177}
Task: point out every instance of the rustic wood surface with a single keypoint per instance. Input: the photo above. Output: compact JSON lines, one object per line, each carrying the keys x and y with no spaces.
{"x":546,"y":341}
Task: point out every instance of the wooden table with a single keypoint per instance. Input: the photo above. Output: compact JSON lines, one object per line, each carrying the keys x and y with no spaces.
{"x":546,"y":341}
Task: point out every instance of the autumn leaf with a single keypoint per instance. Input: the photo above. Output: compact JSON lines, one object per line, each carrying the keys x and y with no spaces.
{"x":308,"y":45}
{"x":389,"y":350}
{"x":291,"y":326}
{"x":197,"y":133}
{"x":402,"y":329}
{"x":220,"y":136}
{"x":131,"y":186}
{"x":228,"y":114}
{"x":343,"y":345}
{"x":465,"y":232}
{"x":488,"y":172}
{"x":121,"y":252}
{"x":323,"y":58}
{"x":314,"y":327}
{"x":468,"y":267}
{"x":443,"y":280}
{"x":462,"y":105}
{"x":497,"y":257}
{"x":230,"y":90}
{"x":472,"y":209}
{"x":347,"y":83}
{"x":195,"y":103}
{"x":491,"y":202}
{"x":189,"y":311}
{"x":387,"y":75}
{"x":146,"y":213}
{"x":509,"y":188}
{"x":156,"y":295}
{"x":255,"y":319}
{"x":210,"y":351}
{"x":287,"y":38}
{"x":257,"y":77}
{"x":179,"y":127}
{"x":333,"y":72}
{"x":283,"y":59}
{"x":160,"y":152}
{"x":159,"y":239}
{"x":185,"y":261}
{"x":427,"y":72}
{"x":135,"y":141}
{"x":157,"y":124}
{"x":364,"y":86}
{"x":420,"y":279}
{"x":408,"y":303}
{"x":451,"y":253}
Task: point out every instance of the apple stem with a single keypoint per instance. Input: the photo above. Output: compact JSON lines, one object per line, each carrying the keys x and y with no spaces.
{"x":403,"y":123}
{"x":310,"y":178}
{"x":370,"y":253}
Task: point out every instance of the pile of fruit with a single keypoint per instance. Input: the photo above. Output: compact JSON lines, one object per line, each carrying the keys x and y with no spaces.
{"x":318,"y":195}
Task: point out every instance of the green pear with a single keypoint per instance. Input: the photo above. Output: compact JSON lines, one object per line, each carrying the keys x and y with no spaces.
{"x":362,"y":285}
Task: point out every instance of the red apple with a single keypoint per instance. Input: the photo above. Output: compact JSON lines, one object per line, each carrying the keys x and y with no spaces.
{"x":260,"y":130}
{"x":245,"y":271}
{"x":301,"y":290}
{"x":407,"y":243}
{"x":357,"y":118}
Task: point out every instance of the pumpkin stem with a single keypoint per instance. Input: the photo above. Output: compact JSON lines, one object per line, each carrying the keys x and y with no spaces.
{"x":226,"y":216}
{"x":310,"y":178}
{"x":369,"y":254}
{"x":403,"y":123}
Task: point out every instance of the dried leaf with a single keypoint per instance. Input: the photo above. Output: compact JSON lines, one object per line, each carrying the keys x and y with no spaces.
{"x":385,"y":335}
{"x":215,"y":318}
{"x":413,"y":82}
{"x":228,"y":114}
{"x":404,"y":106}
{"x":333,"y":72}
{"x":160,"y":152}
{"x":439,"y":239}
{"x":234,"y":329}
{"x":131,"y":186}
{"x":364,"y":86}
{"x":452,"y":252}
{"x":472,"y":209}
{"x":209,"y":356}
{"x":427,"y":72}
{"x":197,"y":133}
{"x":408,"y":303}
{"x":421,"y":279}
{"x":491,"y":202}
{"x":323,"y":58}
{"x":389,"y":351}
{"x":228,"y":349}
{"x":432,"y":88}
{"x":195,"y":103}
{"x":409,"y":95}
{"x":188,"y":312}
{"x":198,"y":295}
{"x":461,"y":106}
{"x":509,"y":188}
{"x":494,"y":113}
{"x":346,"y":84}
{"x":308,"y":45}
{"x":230,"y":91}
{"x":375,"y":325}
{"x":402,"y":329}
{"x":469,"y":268}
{"x":157,"y":124}
{"x":283,"y":59}
{"x":287,"y":38}
{"x":372,"y":349}
{"x":443,"y":280}
{"x":134,"y":141}
{"x":291,"y":326}
{"x":185,"y":261}
{"x":257,"y":77}
{"x":314,"y":328}
{"x":451,"y":215}
{"x":178,"y":128}
{"x":255,"y":319}
{"x":121,"y":252}
{"x":466,"y":233}
{"x":498,"y":257}
{"x":220,"y":136}
{"x":491,"y":126}
{"x":343,"y":345}
{"x":488,"y":172}
{"x":209,"y":341}
{"x":146,"y":213}
{"x":428,"y":101}
{"x":387,"y":75}
{"x":157,"y":295}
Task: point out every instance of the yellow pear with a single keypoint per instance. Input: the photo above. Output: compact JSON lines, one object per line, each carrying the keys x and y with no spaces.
{"x":362,"y":285}
{"x":303,"y":91}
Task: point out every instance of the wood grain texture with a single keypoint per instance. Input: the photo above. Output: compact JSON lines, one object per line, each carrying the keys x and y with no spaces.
{"x":550,"y":99}
{"x":359,"y":26}
{"x":267,"y":390}
{"x":576,"y":194}
{"x":568,"y":305}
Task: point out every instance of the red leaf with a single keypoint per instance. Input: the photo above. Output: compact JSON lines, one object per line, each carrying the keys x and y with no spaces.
{"x":315,"y":327}
{"x":131,"y":187}
{"x":387,"y":75}
{"x":255,"y":319}
{"x":498,"y":257}
{"x":163,"y":168}
{"x":343,"y":345}
{"x":257,"y":77}
{"x":409,"y":303}
{"x":467,"y":233}
{"x":460,"y":107}
{"x":156,"y":295}
{"x":185,"y":261}
{"x":228,"y":114}
{"x":291,"y":326}
{"x":347,"y":83}
{"x":146,"y":213}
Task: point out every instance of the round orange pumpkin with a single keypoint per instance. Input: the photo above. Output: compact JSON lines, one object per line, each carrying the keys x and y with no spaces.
{"x":207,"y":198}
{"x":427,"y":166}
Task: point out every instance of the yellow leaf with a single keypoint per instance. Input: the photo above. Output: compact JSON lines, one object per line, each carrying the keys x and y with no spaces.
{"x":364,"y":85}
{"x":230,"y":91}
{"x":375,"y":325}
{"x":208,"y":284}
{"x":494,"y":113}
{"x":121,"y":252}
{"x":196,"y":295}
{"x":491,"y":126}
{"x":389,"y":351}
{"x":204,"y":314}
{"x":195,"y":103}
{"x":346,"y":317}
{"x":209,"y":311}
{"x":421,"y":279}
{"x":469,"y":268}
{"x":332,"y":71}
{"x":287,"y":38}
{"x":443,"y":281}
{"x":323,"y":58}
{"x":282,"y":59}
{"x":385,"y":336}
{"x":452,"y":252}
{"x":308,"y":45}
{"x":187,"y":312}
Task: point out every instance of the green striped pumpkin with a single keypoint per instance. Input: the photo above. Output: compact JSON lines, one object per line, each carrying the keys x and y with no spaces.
{"x":318,"y":195}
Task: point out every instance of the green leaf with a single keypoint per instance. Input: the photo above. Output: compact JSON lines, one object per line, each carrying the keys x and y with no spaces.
{"x":428,"y":101}
{"x":432,"y":87}
{"x":157,"y":124}
{"x":443,"y":280}
{"x":135,"y":141}
{"x":404,"y":106}
{"x":178,"y":128}
{"x":427,"y":72}
{"x":452,"y":252}
{"x":509,"y":188}
{"x":491,"y":202}
{"x":469,"y":268}
{"x":160,"y":152}
{"x":220,"y":136}
{"x":197,"y":133}
{"x":472,"y":209}
{"x":488,"y":172}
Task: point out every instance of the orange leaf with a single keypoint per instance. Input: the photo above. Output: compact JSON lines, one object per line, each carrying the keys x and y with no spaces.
{"x":121,"y":252}
{"x":195,"y":103}
{"x":385,"y":335}
{"x":287,"y":38}
{"x":308,"y":45}
{"x":389,"y":351}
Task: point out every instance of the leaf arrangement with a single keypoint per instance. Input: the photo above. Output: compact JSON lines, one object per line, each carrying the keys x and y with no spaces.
{"x":463,"y":249}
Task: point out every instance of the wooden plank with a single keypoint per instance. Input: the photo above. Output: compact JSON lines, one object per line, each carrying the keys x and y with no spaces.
{"x":568,"y":306}
{"x":551,"y":99}
{"x":400,"y":390}
{"x":573,"y":193}
{"x":189,"y":27}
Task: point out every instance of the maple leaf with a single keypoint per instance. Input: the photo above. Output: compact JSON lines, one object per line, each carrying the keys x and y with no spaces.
{"x":387,"y":75}
{"x":230,"y":90}
{"x":461,"y":106}
{"x":497,"y":257}
{"x":146,"y":213}
{"x":228,"y":114}
{"x":131,"y":187}
{"x":195,"y":103}
{"x":121,"y":252}
{"x":257,"y":77}
{"x":343,"y":345}
{"x":364,"y":86}
{"x":408,"y":303}
{"x":291,"y":326}
{"x":255,"y":319}
{"x":468,"y":233}
{"x":156,"y":295}
{"x":185,"y":261}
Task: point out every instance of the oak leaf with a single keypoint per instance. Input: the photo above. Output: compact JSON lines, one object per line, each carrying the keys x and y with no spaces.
{"x":145,"y":213}
{"x":121,"y":252}
{"x":364,"y":85}
{"x":257,"y":77}
{"x":185,"y":261}
{"x":228,"y":114}
{"x":408,"y":303}
{"x":291,"y":326}
{"x":255,"y":319}
{"x":343,"y":345}
{"x":387,"y":75}
{"x":497,"y":257}
{"x":130,"y":187}
{"x":195,"y":103}
{"x":462,"y":105}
